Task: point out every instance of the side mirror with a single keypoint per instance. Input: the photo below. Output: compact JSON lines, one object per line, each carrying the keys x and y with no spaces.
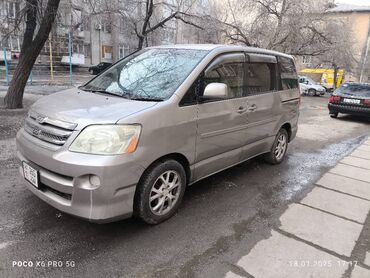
{"x":215,"y":91}
{"x":307,"y":82}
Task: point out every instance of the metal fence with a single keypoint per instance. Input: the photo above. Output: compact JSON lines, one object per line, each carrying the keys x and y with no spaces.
{"x":50,"y":73}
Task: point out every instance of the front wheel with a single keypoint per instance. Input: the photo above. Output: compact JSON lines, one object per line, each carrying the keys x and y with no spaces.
{"x":279,"y":148}
{"x":160,"y":192}
{"x":312,"y":92}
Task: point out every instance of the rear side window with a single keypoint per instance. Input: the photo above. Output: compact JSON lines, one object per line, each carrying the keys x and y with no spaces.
{"x":355,"y":89}
{"x":261,"y":78}
{"x":288,"y":73}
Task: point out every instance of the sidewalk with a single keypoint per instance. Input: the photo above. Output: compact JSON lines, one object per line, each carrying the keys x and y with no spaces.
{"x":327,"y":234}
{"x":60,"y":79}
{"x":38,"y":89}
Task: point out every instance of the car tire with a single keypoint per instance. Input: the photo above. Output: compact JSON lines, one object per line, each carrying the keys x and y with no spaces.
{"x":279,"y":148}
{"x":334,"y":115}
{"x":154,"y":201}
{"x":312,"y":92}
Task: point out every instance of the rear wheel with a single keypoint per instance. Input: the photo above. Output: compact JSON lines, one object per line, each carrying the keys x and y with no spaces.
{"x":279,"y":148}
{"x":160,"y":192}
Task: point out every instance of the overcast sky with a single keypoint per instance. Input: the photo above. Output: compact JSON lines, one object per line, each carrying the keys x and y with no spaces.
{"x":355,"y":2}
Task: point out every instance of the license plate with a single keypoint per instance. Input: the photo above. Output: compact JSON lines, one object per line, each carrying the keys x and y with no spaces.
{"x":30,"y":174}
{"x":352,"y":101}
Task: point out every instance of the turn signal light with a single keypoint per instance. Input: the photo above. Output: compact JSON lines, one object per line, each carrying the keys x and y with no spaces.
{"x":334,"y":99}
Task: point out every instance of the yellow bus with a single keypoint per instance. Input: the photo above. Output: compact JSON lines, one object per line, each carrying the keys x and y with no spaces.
{"x":324,"y":77}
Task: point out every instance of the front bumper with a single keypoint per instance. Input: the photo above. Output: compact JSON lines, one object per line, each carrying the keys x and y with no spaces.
{"x":349,"y":109}
{"x":65,"y":180}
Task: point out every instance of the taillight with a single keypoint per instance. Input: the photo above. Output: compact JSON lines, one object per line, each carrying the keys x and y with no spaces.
{"x":334,"y":99}
{"x":367,"y":102}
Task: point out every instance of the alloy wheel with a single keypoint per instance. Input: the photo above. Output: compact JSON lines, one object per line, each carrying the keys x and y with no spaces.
{"x":165,"y":193}
{"x":281,"y":147}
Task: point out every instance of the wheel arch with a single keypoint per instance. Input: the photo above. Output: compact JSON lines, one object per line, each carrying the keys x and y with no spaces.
{"x":288,"y":128}
{"x":175,"y":156}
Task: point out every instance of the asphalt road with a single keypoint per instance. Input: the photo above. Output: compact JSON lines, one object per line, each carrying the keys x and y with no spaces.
{"x":220,"y":220}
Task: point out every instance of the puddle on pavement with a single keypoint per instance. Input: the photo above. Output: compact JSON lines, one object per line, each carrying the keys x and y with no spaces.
{"x":307,"y":168}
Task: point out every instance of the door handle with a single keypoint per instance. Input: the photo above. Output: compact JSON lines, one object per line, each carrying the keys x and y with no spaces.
{"x":252,"y":108}
{"x":241,"y":110}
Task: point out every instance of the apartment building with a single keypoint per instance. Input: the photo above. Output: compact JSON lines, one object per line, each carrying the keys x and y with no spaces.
{"x":358,"y":19}
{"x":96,"y":30}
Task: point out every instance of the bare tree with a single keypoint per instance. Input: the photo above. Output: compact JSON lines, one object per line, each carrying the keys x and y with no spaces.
{"x":147,"y":17}
{"x":292,"y":26}
{"x":37,"y":15}
{"x":340,"y":52}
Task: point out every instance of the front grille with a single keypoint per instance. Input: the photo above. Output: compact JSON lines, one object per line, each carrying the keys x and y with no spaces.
{"x":49,"y":130}
{"x":66,"y":196}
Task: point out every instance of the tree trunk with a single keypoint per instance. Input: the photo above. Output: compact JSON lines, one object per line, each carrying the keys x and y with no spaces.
{"x":30,"y":50}
{"x":14,"y":96}
{"x":141,"y":43}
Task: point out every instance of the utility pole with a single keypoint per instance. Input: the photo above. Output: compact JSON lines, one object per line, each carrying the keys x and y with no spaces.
{"x":70,"y":56}
{"x":51,"y":59}
{"x":6,"y":67}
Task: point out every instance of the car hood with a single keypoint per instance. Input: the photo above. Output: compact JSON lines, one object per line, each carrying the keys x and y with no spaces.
{"x":317,"y":87}
{"x":85,"y":108}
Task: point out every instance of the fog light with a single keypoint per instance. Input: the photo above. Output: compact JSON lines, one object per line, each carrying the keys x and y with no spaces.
{"x":94,"y":180}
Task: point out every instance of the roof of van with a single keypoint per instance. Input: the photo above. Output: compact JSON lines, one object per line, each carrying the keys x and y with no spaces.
{"x":224,"y":47}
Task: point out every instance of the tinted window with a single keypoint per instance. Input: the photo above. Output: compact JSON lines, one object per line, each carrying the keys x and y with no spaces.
{"x":230,"y":74}
{"x":289,"y":77}
{"x":261,"y":78}
{"x":355,"y":89}
{"x":191,"y":95}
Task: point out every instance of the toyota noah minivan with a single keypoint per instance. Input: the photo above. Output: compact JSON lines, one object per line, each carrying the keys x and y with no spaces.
{"x":129,"y":141}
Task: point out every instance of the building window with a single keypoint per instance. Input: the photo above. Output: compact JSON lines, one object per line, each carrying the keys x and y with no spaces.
{"x":13,"y":9}
{"x":15,"y":44}
{"x":306,"y":60}
{"x":107,"y":27}
{"x":123,"y":51}
{"x":78,"y":48}
{"x":121,"y":26}
{"x":85,"y":26}
{"x":107,"y":52}
{"x":87,"y":50}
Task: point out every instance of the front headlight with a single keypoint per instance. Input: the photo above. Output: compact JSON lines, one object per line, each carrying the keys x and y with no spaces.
{"x":107,"y":139}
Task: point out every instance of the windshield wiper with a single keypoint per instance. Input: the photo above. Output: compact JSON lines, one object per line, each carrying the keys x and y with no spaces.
{"x":123,"y":94}
{"x":146,"y":99}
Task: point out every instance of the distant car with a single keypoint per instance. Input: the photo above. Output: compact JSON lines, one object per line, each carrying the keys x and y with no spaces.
{"x":350,"y":98}
{"x":99,"y":67}
{"x":310,"y":87}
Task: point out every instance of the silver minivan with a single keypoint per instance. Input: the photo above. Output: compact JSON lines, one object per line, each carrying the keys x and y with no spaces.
{"x":129,"y":141}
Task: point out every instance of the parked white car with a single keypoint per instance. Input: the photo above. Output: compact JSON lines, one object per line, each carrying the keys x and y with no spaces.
{"x":310,"y":87}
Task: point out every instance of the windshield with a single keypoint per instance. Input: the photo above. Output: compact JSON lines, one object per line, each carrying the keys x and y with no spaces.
{"x":152,"y":74}
{"x":310,"y":81}
{"x":355,"y":89}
